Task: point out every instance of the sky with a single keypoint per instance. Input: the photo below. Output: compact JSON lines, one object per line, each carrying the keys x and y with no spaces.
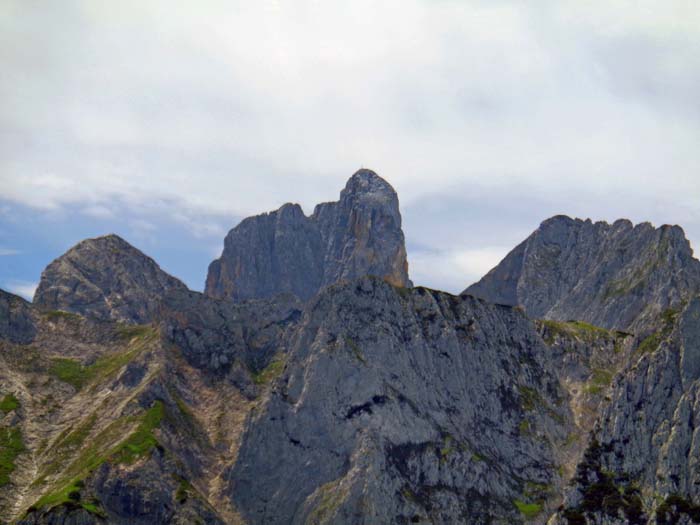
{"x":169,"y":122}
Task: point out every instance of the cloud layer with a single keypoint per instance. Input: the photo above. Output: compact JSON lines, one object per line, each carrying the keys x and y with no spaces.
{"x":487,"y":117}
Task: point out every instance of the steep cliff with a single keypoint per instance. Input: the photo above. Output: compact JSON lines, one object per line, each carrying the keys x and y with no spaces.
{"x":611,"y":275}
{"x":405,"y":406}
{"x":286,"y":252}
{"x":642,"y":462}
{"x":105,"y":278}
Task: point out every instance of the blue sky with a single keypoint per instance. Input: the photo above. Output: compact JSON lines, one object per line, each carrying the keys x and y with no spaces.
{"x":167,"y":122}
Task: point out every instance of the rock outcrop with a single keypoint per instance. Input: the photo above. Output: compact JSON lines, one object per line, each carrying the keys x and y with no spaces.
{"x":16,"y":323}
{"x":286,"y":252}
{"x":105,"y":278}
{"x":616,"y":275}
{"x":642,"y":462}
{"x":404,"y":406}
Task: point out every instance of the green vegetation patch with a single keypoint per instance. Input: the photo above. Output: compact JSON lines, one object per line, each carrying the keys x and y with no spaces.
{"x":58,"y":315}
{"x":601,"y":494}
{"x":11,"y":446}
{"x":675,"y":506}
{"x":184,"y":489}
{"x":136,"y":445}
{"x":530,"y":398}
{"x":652,"y":342}
{"x":9,"y":403}
{"x":270,"y":372}
{"x":529,"y":510}
{"x":69,"y":371}
{"x":574,"y":330}
{"x":329,"y":499}
{"x":599,"y":380}
{"x":142,"y":440}
{"x":355,"y":349}
{"x":129,"y":331}
{"x":74,"y":373}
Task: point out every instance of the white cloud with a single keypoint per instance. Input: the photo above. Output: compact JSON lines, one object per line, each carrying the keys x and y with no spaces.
{"x":453,"y":270}
{"x":24,"y":289}
{"x":8,"y":251}
{"x":198,"y":112}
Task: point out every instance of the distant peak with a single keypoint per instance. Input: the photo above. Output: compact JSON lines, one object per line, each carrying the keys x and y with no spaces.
{"x":110,"y":238}
{"x":367,"y":181}
{"x":557,"y":219}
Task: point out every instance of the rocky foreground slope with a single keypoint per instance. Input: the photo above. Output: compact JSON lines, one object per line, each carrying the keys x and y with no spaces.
{"x":126,"y":398}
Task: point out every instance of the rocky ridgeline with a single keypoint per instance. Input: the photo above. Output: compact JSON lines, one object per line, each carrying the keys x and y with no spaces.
{"x":312,"y":384}
{"x":105,"y":278}
{"x":286,"y":252}
{"x":616,"y":275}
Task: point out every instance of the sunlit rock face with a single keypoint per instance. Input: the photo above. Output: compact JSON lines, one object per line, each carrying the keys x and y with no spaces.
{"x":611,"y":275}
{"x":285,"y":251}
{"x":105,"y":278}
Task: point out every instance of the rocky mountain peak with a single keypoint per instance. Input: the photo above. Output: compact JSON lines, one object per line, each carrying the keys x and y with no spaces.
{"x":285,"y":251}
{"x":366,"y":183}
{"x":107,"y":278}
{"x":619,"y":276}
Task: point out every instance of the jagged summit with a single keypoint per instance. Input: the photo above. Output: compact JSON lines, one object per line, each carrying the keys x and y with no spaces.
{"x":285,"y":251}
{"x":615,"y":275}
{"x":107,"y":278}
{"x":366,"y":181}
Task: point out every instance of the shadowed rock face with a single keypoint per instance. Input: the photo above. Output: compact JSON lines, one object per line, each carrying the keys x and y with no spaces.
{"x":611,"y":275}
{"x":105,"y":278}
{"x":16,"y":324}
{"x":286,"y":252}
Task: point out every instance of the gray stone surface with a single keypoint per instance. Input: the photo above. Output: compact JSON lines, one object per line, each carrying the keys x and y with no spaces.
{"x":286,"y":252}
{"x":105,"y":278}
{"x":611,"y":275}
{"x":400,"y":406}
{"x":16,"y":323}
{"x":647,"y":438}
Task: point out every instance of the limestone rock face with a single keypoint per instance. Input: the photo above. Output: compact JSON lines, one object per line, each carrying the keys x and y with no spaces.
{"x":105,"y":278}
{"x":286,"y":252}
{"x":16,"y":323}
{"x":647,"y":443}
{"x":611,"y":275}
{"x":403,"y":406}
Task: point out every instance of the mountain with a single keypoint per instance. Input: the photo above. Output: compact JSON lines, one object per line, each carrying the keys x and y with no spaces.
{"x":404,"y":406}
{"x":105,"y":278}
{"x":352,"y":398}
{"x":616,"y":275}
{"x":286,"y":252}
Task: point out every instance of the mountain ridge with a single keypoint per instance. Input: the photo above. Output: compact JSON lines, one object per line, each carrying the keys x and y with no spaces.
{"x":352,"y":398}
{"x":615,"y":275}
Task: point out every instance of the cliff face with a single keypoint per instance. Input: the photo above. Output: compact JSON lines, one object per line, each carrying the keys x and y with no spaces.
{"x":16,"y":323}
{"x":285,"y":251}
{"x":400,"y":406}
{"x":105,"y":278}
{"x":643,"y":457}
{"x":611,"y":275}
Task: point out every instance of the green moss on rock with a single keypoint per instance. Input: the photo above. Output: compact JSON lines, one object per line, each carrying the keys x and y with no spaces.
{"x":9,"y":403}
{"x":11,"y":446}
